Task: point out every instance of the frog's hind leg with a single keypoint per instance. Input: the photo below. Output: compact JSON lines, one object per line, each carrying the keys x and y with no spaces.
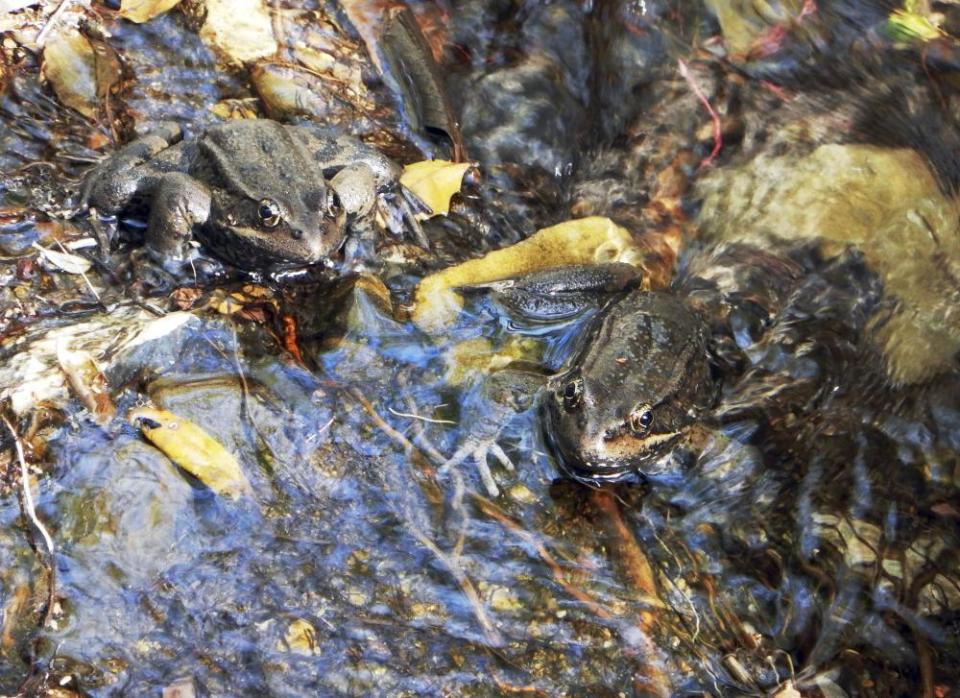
{"x":111,"y":185}
{"x":180,"y":204}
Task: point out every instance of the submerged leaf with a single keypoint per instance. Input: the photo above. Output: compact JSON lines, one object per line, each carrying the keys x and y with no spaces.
{"x":301,"y":637}
{"x":289,"y":91}
{"x":140,"y":11}
{"x":193,"y":449}
{"x":434,"y":182}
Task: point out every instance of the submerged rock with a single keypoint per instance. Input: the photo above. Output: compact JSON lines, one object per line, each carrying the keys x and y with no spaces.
{"x":884,"y":202}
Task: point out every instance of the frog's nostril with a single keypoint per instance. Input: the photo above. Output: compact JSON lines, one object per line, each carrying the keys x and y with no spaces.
{"x":296,"y":234}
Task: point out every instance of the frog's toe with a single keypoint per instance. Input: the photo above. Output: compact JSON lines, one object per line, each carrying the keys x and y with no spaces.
{"x":410,"y":206}
{"x":502,"y":456}
{"x":485,"y":475}
{"x":478,"y":450}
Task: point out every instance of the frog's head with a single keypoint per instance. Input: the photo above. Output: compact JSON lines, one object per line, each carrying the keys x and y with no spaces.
{"x":642,"y":378}
{"x":273,"y":204}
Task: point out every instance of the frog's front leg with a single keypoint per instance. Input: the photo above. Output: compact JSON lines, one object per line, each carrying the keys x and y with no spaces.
{"x":180,"y":204}
{"x":111,"y":185}
{"x":356,"y":185}
{"x":365,"y":179}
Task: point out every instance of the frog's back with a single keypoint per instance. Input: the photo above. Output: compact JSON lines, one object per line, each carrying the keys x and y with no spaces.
{"x":261,"y":158}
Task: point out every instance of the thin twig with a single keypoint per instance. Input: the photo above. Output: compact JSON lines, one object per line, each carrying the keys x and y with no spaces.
{"x":717,"y":137}
{"x":410,"y":415}
{"x":51,"y":21}
{"x":32,"y":515}
{"x":85,"y":278}
{"x":450,"y":562}
{"x":394,"y":435}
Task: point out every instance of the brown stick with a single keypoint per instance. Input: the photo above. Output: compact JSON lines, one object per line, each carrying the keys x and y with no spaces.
{"x":27,"y":503}
{"x":639,"y":572}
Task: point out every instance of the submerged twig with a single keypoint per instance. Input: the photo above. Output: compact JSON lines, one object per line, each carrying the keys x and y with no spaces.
{"x":381,"y":423}
{"x":451,"y":562}
{"x":411,"y":415}
{"x":639,"y":572}
{"x":31,"y":512}
{"x":717,"y":137}
{"x":86,"y":279}
{"x":51,"y":21}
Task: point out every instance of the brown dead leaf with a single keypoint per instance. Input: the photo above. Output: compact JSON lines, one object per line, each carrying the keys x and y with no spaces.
{"x":70,"y":65}
{"x":185,"y":298}
{"x":87,"y":382}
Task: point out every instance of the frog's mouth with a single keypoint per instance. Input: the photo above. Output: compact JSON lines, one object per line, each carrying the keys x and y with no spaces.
{"x":249,"y":247}
{"x":607,"y":458}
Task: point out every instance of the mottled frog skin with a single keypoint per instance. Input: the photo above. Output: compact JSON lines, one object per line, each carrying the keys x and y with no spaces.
{"x":256,"y":193}
{"x":641,"y":378}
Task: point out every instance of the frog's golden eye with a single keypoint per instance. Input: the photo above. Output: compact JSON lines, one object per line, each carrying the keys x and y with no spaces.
{"x":269,"y":213}
{"x":640,"y":419}
{"x":572,"y":392}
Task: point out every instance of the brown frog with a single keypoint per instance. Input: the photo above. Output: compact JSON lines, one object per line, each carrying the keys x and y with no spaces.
{"x":642,"y":377}
{"x":256,"y":193}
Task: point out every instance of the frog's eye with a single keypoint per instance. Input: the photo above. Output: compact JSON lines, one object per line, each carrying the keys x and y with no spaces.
{"x":268,"y":212}
{"x":640,"y":419}
{"x":334,"y":205}
{"x":572,"y":392}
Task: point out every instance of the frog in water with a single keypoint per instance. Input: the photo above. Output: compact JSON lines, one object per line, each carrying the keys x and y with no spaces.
{"x":654,"y":364}
{"x":642,"y":378}
{"x":256,"y":193}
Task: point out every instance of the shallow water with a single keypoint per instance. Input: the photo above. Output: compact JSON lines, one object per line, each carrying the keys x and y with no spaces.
{"x":803,"y":538}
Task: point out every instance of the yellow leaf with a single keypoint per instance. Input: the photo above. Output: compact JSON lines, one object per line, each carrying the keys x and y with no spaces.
{"x":140,"y":11}
{"x":434,"y":182}
{"x":593,"y":240}
{"x":193,"y":449}
{"x":908,"y":26}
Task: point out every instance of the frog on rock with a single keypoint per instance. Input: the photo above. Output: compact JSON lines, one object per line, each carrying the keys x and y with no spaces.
{"x":257,"y":193}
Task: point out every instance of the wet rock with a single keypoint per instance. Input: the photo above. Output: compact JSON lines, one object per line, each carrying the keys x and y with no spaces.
{"x":628,"y":49}
{"x":119,"y":341}
{"x":884,"y":202}
{"x":524,"y":115}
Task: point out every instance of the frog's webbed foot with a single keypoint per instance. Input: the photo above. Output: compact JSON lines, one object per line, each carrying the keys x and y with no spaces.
{"x":479,"y":449}
{"x":398,"y":210}
{"x":366,"y":193}
{"x":487,"y":409}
